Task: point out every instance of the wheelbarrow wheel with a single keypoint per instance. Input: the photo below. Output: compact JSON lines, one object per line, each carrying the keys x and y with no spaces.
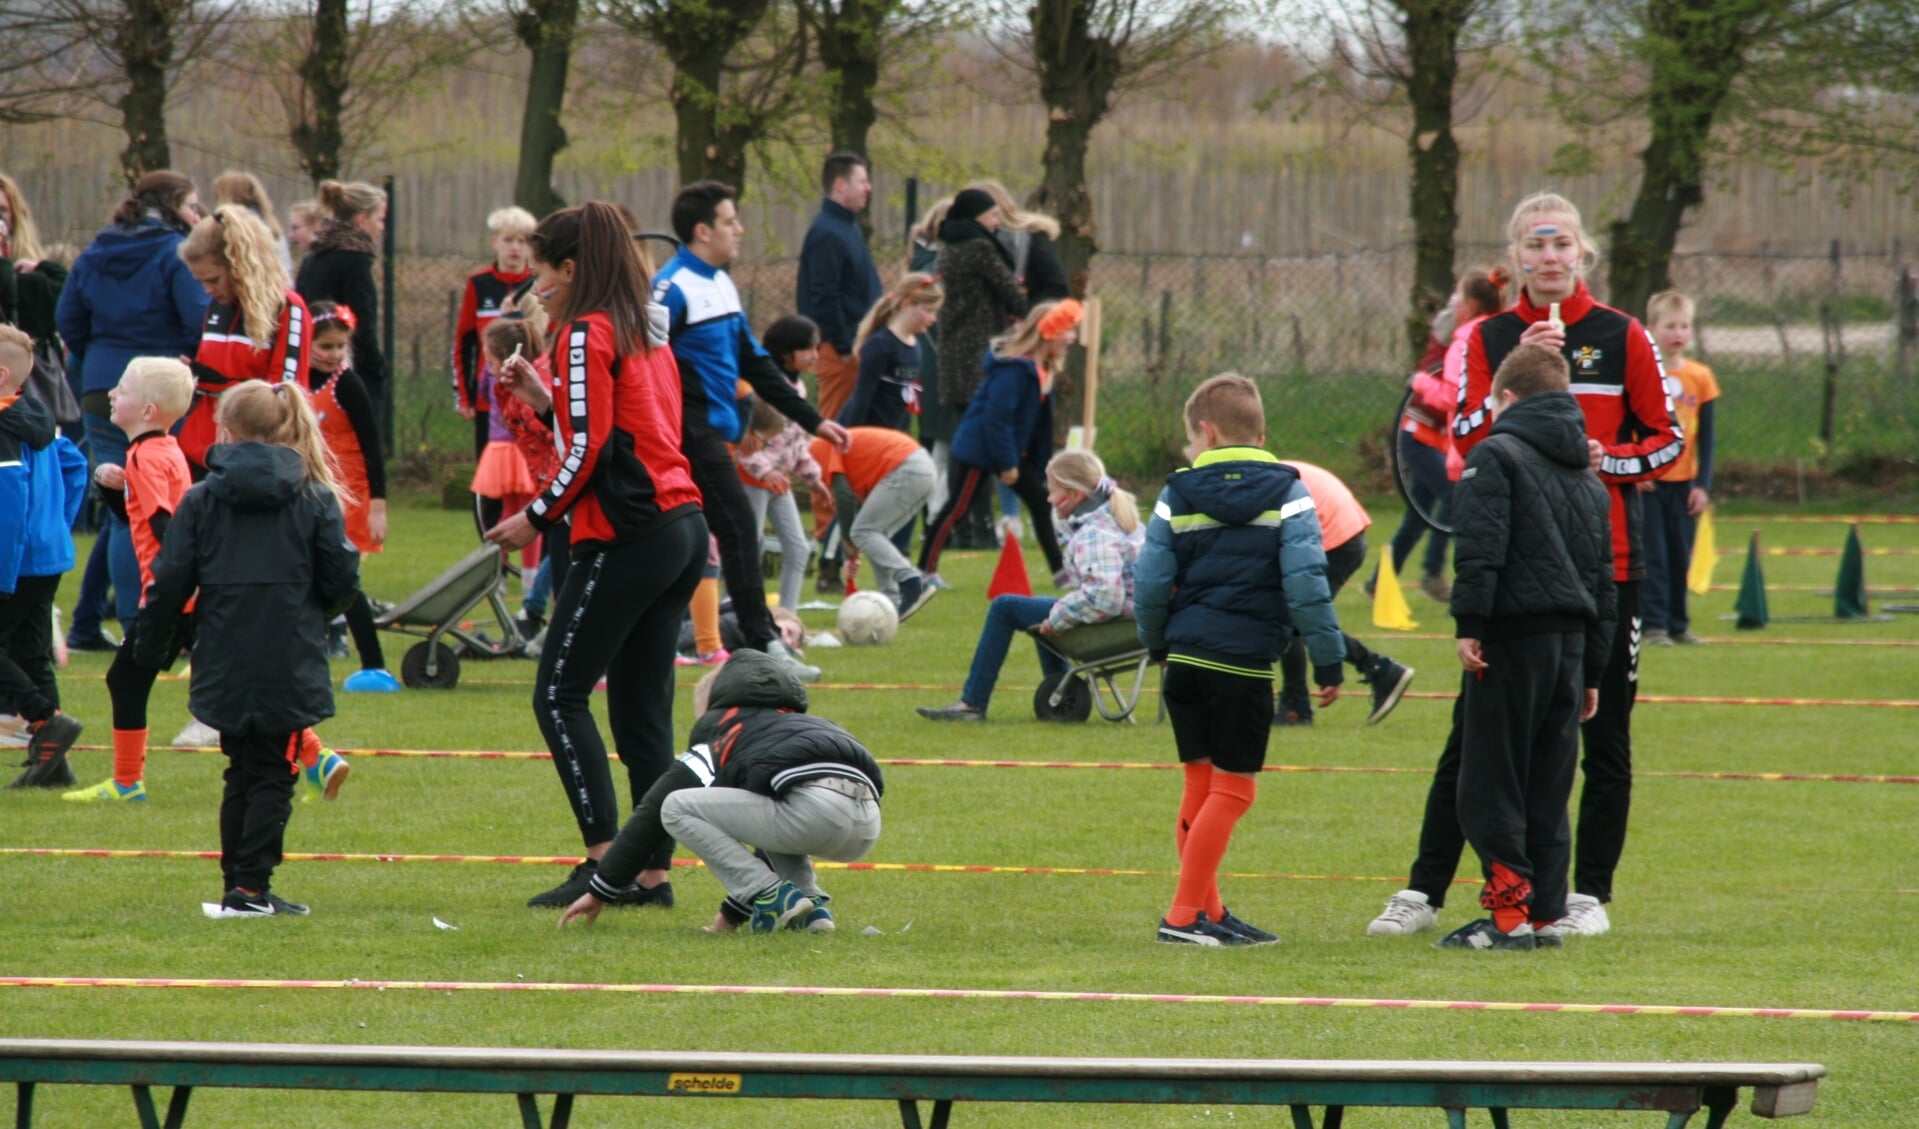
{"x":413,"y":668}
{"x":1075,"y":701}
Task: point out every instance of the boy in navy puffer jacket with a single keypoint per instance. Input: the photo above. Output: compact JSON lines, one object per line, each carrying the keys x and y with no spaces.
{"x":1232,"y":571}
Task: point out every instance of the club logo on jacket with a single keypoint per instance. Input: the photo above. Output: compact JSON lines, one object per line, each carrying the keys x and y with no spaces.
{"x":1587,"y":357}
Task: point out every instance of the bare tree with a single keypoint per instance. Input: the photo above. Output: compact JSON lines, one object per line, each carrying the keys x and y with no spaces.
{"x":44,"y":58}
{"x":547,"y":29}
{"x":1086,"y":54}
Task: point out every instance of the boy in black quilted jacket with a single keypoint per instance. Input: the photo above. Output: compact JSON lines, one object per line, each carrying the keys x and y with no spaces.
{"x":1534,"y":604}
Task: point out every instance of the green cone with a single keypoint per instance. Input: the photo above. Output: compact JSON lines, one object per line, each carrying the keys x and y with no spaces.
{"x":1849,"y":591}
{"x":1751,"y":604}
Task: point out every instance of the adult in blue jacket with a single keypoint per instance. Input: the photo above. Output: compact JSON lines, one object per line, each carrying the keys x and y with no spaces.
{"x":837,"y":282}
{"x":129,"y":295}
{"x":1007,"y":431}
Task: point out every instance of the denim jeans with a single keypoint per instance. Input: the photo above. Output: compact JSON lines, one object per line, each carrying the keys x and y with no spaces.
{"x":112,"y":557}
{"x":1669,"y":536}
{"x":1005,"y":615}
{"x":1430,"y":487}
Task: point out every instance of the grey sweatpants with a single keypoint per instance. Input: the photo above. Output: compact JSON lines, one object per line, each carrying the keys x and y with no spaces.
{"x":795,"y":545}
{"x":892,"y":505}
{"x":811,"y":819}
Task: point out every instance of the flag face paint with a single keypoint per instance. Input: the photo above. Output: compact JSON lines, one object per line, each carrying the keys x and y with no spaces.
{"x":1545,"y":229}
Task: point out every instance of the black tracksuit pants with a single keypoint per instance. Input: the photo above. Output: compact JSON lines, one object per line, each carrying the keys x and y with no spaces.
{"x":27,"y":685}
{"x":964,"y":483}
{"x":262,"y":769}
{"x":1342,"y":561}
{"x":1520,"y":718}
{"x":617,"y":615}
{"x":730,"y":518}
{"x":1605,"y":800}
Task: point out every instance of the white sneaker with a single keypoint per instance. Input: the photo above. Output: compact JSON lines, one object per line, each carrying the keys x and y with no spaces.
{"x":1406,"y":913}
{"x":779,"y":650}
{"x":1585,"y":917}
{"x":197,"y":735}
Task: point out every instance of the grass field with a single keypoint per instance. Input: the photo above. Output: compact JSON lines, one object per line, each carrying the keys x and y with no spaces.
{"x":1732,"y":893}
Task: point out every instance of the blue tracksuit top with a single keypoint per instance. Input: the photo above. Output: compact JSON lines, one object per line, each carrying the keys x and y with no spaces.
{"x":709,"y":335}
{"x":1233,"y":568}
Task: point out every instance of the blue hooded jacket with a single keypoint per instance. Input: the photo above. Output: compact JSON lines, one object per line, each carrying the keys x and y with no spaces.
{"x":1233,"y":569}
{"x":1008,"y":423}
{"x":43,"y":478}
{"x":129,"y":296}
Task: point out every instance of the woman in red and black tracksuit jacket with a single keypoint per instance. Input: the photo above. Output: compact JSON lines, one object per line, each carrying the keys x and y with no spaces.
{"x":639,"y":539}
{"x":1617,"y":379}
{"x":256,"y":328}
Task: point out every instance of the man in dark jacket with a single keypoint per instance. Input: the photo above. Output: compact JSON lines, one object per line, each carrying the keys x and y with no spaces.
{"x":760,"y":771}
{"x":265,"y":548}
{"x":838,"y":282}
{"x":1535,"y":605}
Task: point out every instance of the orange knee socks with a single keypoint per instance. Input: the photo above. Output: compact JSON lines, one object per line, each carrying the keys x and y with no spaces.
{"x":1227,"y":798}
{"x":129,"y":756}
{"x":706,"y":616}
{"x":309,"y":748}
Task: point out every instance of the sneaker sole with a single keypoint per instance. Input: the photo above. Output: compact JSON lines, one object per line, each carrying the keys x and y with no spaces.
{"x":1394,"y":930}
{"x":333,"y":782}
{"x":1392,"y":699}
{"x":926,"y":596}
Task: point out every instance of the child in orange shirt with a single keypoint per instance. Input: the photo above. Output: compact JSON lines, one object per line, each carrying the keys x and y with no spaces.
{"x":1680,"y":495}
{"x":879,"y":484}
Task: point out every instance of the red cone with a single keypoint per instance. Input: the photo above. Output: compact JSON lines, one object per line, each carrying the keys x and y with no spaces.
{"x":1009,"y":576}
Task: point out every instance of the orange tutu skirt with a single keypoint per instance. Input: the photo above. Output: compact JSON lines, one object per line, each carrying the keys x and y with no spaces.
{"x":502,"y":473}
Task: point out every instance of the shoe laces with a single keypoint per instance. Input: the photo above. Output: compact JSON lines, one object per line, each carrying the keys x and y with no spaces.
{"x":1401,"y":909}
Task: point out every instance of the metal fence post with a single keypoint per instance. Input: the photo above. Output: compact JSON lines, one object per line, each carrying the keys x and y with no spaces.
{"x":912,"y":209}
{"x":389,"y":318}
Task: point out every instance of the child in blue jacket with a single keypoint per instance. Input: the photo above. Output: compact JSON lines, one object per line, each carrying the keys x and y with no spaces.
{"x":43,"y":478}
{"x":1007,"y":430}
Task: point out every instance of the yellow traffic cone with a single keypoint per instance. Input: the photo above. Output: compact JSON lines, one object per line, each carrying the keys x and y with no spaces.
{"x":1390,"y":610}
{"x":1704,"y":555}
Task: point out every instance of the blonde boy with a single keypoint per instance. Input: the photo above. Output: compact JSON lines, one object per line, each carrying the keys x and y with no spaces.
{"x":489,"y":293}
{"x":1680,"y":495}
{"x":1231,"y":572}
{"x":152,"y":395}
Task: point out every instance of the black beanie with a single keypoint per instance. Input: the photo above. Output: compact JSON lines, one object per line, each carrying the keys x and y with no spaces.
{"x":971,"y":204}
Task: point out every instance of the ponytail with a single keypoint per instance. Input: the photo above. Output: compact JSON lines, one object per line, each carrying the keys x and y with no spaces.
{"x":238,"y":240}
{"x":347,"y":202}
{"x":1082,"y":471}
{"x":278,"y":414}
{"x":915,"y":287}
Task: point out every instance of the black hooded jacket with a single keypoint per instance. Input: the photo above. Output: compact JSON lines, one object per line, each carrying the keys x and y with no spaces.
{"x":267,"y":551}
{"x":1533,"y":540}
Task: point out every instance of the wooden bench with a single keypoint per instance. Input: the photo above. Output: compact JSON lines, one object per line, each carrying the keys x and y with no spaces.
{"x":1678,"y":1090}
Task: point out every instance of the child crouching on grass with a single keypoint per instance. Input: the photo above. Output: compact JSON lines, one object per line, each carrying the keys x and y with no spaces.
{"x":760,"y":771}
{"x":263,"y":544}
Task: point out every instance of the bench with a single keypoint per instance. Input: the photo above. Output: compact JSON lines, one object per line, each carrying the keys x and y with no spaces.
{"x":1678,"y":1090}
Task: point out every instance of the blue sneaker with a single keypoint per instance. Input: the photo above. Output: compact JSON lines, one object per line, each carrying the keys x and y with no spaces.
{"x":325,"y":776}
{"x":819,"y":919}
{"x":780,"y":908}
{"x":1254,"y":934}
{"x":371,"y":682}
{"x":1201,"y":932}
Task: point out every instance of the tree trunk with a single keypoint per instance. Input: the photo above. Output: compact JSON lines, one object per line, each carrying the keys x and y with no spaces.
{"x":1432,"y":29}
{"x":1077,"y":72}
{"x":1697,"y":50}
{"x":318,"y":137}
{"x":546,"y":28}
{"x":698,"y":38}
{"x":849,"y":46}
{"x":144,"y":42}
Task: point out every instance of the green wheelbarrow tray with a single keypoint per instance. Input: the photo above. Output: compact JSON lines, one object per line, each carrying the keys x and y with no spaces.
{"x":440,"y":610}
{"x":1096,"y":655}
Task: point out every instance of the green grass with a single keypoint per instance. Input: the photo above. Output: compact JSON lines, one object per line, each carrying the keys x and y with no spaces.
{"x":1732,"y":893}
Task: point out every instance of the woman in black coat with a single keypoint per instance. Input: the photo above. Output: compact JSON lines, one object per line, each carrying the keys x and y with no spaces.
{"x":1029,"y":238}
{"x":339,"y":269}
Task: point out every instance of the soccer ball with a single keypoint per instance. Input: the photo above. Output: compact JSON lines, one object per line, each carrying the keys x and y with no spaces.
{"x":868,"y":619}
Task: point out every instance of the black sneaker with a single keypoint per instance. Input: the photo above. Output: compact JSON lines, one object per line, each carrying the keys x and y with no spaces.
{"x":828,"y":580}
{"x":1254,"y":934}
{"x":47,"y":753}
{"x":914,"y":593}
{"x":1388,"y":680}
{"x":1201,"y":932}
{"x":239,"y":903}
{"x":1483,"y":936}
{"x":100,"y":642}
{"x":569,"y":891}
{"x":1293,"y":714}
{"x":336,"y":644}
{"x":635,"y":894}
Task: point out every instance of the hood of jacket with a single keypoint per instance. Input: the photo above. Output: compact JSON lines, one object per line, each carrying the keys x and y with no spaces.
{"x":1551,"y":422}
{"x":1234,"y":485}
{"x":120,"y":253}
{"x":659,"y":325}
{"x":961,"y":231}
{"x":335,"y":235}
{"x":753,"y":679}
{"x":29,"y":422}
{"x":255,"y":476}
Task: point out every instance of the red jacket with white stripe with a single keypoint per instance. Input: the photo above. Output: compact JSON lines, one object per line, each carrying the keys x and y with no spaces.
{"x":616,"y":422}
{"x":227,"y":356}
{"x":1621,"y":387}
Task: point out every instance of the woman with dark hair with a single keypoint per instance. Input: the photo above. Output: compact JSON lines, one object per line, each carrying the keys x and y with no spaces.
{"x":129,"y":295}
{"x":339,"y":268}
{"x":983,"y":298}
{"x":638,"y":537}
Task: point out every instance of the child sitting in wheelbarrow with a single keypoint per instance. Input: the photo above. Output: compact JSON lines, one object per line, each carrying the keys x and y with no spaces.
{"x":1101,"y":522}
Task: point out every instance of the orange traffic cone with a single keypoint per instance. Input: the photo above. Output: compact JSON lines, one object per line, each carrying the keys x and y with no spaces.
{"x":1009,"y":576}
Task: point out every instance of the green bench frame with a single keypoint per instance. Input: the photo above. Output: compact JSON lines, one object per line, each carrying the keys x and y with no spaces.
{"x":1678,"y":1090}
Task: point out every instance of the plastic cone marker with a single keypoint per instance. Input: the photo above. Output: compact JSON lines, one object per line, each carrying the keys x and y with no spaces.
{"x":1009,"y":576}
{"x":1390,"y":609}
{"x":1751,"y":604}
{"x":1704,"y":556}
{"x":1849,"y":589}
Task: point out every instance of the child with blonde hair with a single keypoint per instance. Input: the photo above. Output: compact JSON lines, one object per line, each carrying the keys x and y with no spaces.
{"x":488,"y":296}
{"x":1675,"y":500}
{"x":1102,"y":544}
{"x":261,"y":541}
{"x":887,"y":393}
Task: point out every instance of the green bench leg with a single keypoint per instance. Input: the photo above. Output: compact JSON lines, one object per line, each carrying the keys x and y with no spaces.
{"x":1455,"y":1118}
{"x":1500,"y":1120}
{"x":1719,"y":1106}
{"x":177,"y":1106}
{"x":530,"y":1112}
{"x":23,"y":1106}
{"x":143,"y":1105}
{"x":1303,"y":1117}
{"x":910,"y":1113}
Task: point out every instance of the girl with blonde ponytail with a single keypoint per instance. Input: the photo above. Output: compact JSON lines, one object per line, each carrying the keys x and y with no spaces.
{"x":1101,"y":522}
{"x":260,"y":548}
{"x":255,"y":328}
{"x":888,"y":391}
